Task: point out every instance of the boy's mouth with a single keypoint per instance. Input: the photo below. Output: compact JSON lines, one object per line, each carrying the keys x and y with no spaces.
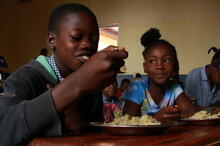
{"x":84,"y":58}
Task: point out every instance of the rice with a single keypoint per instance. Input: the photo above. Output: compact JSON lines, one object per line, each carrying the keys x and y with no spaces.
{"x":204,"y":115}
{"x":129,"y":120}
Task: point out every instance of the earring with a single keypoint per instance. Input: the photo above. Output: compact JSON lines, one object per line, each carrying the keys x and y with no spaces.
{"x":171,"y":78}
{"x":51,"y":42}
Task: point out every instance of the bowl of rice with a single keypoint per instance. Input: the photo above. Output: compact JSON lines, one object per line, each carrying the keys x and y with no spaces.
{"x":203,"y":117}
{"x":128,"y":125}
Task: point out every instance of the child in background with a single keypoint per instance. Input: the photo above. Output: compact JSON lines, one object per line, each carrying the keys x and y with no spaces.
{"x":4,"y":72}
{"x":111,"y":104}
{"x":57,"y":95}
{"x":138,"y":76}
{"x":4,"y":69}
{"x":123,"y":86}
{"x":157,"y":93}
{"x":203,"y":83}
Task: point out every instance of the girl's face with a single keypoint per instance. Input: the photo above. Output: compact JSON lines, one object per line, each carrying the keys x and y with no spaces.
{"x":110,"y":90}
{"x":76,"y":41}
{"x":159,"y":64}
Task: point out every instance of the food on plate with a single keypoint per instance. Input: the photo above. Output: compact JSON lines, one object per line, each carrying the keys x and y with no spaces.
{"x":130,"y":120}
{"x":201,"y":115}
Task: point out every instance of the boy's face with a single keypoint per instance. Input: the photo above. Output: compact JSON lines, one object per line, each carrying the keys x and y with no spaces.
{"x":215,"y":74}
{"x":159,"y":64}
{"x":76,"y":41}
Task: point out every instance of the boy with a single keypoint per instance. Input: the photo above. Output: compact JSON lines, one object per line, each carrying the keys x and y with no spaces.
{"x":48,"y":97}
{"x":203,"y":83}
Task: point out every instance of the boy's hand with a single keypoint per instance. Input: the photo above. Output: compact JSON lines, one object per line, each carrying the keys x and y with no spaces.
{"x":98,"y":72}
{"x":101,"y":69}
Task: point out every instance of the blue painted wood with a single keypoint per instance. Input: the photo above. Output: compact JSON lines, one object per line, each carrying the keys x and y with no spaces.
{"x":120,"y":77}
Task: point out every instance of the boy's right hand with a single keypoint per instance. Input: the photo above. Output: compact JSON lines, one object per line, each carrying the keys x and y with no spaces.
{"x":168,"y":114}
{"x":101,"y":69}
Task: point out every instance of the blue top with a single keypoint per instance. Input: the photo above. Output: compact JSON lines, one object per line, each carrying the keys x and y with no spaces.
{"x":138,"y":92}
{"x":197,"y":86}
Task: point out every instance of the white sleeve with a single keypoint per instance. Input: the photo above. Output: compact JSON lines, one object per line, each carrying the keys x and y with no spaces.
{"x":178,"y":90}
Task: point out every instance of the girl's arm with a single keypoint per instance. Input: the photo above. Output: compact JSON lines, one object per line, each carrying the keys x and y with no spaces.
{"x":131,"y":108}
{"x":185,"y":105}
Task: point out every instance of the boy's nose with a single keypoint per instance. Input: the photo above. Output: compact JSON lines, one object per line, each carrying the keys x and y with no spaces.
{"x":86,"y":43}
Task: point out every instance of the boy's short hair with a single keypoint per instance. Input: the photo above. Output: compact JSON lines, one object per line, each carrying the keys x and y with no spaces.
{"x":60,"y":12}
{"x":216,"y":51}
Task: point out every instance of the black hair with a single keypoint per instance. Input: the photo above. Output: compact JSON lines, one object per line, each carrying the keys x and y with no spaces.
{"x":217,"y":53}
{"x":125,"y":81}
{"x":43,"y":51}
{"x":3,"y":62}
{"x":59,"y":14}
{"x":138,"y":75}
{"x":151,"y":38}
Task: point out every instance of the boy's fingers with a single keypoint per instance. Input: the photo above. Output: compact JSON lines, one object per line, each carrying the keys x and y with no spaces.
{"x":113,"y":48}
{"x":117,"y":54}
{"x":120,"y":49}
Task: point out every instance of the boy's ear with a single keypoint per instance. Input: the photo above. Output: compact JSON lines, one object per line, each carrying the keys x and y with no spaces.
{"x":51,"y":40}
{"x":145,"y":69}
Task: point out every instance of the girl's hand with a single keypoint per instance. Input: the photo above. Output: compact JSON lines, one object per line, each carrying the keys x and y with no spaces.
{"x":168,"y":114}
{"x":215,"y":109}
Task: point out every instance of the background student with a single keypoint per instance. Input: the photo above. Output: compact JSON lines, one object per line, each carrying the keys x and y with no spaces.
{"x":123,"y":86}
{"x":203,"y":83}
{"x":111,"y":104}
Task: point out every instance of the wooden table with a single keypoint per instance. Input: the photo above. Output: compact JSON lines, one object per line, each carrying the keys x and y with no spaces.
{"x":176,"y":135}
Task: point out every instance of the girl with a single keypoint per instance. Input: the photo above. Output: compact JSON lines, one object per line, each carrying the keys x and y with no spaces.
{"x":157,"y":93}
{"x":111,"y":104}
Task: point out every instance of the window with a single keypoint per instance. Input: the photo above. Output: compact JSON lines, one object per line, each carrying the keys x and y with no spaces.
{"x":108,"y":36}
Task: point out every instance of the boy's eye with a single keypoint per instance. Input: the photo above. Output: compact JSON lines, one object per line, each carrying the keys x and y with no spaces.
{"x":76,"y":38}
